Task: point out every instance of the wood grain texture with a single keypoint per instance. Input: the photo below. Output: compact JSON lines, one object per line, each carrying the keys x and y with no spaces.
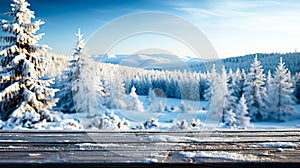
{"x":255,"y":148}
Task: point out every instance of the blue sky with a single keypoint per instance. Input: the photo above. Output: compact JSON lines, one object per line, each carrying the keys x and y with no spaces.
{"x":234,"y":27}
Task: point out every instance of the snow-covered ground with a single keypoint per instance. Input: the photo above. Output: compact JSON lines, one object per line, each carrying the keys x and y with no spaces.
{"x":170,"y":119}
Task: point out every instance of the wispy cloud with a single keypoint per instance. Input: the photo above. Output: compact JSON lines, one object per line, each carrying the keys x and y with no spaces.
{"x":243,"y":26}
{"x":243,"y":14}
{"x":206,"y":13}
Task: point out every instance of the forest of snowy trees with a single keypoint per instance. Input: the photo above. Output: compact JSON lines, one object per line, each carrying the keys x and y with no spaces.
{"x":29,"y":96}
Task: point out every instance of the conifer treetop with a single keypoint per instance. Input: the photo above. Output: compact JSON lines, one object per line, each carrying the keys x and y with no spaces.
{"x":79,"y":43}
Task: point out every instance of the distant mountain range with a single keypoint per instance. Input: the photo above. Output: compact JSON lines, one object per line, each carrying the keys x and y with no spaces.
{"x":173,"y":62}
{"x":148,"y":61}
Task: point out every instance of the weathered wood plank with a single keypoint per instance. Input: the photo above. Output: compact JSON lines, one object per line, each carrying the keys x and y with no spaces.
{"x":142,"y":147}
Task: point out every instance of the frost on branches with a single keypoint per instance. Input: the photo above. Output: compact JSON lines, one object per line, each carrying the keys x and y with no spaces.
{"x":66,"y":103}
{"x":280,"y":96}
{"x":25,"y":98}
{"x":216,"y":94}
{"x":83,"y":86}
{"x":242,"y":119}
{"x":255,"y":92}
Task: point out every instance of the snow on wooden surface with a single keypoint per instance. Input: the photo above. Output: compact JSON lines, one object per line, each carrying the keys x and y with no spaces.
{"x":150,"y":147}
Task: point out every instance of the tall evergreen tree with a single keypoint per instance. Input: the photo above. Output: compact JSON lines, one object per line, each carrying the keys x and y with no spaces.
{"x":83,"y":83}
{"x":215,"y":94}
{"x":280,"y":96}
{"x":255,"y":92}
{"x":230,"y":99}
{"x":66,"y":103}
{"x":223,"y":94}
{"x":25,"y":97}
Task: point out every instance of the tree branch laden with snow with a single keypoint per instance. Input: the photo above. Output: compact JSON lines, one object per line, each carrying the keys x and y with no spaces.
{"x":23,"y":91}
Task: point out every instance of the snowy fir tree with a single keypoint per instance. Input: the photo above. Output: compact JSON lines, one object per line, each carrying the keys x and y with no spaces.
{"x":115,"y":88}
{"x":268,"y":85}
{"x":211,"y":82}
{"x":225,"y":95}
{"x":240,"y":83}
{"x":25,"y":97}
{"x":280,"y":96}
{"x":255,"y":92}
{"x":222,"y":92}
{"x":231,"y":97}
{"x":66,"y":103}
{"x":229,"y":119}
{"x":134,"y":102}
{"x":215,"y":94}
{"x":242,"y":118}
{"x":83,"y":85}
{"x":100,"y":90}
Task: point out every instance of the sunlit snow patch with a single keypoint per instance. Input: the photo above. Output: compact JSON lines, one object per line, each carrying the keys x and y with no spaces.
{"x":220,"y":155}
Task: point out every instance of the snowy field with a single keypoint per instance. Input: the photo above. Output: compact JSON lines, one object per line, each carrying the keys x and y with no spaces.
{"x":169,"y":120}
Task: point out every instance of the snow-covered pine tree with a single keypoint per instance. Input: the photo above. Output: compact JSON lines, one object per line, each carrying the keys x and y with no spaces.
{"x":280,"y":96}
{"x":134,"y":102}
{"x":116,"y":90}
{"x":240,"y":80}
{"x":223,"y":94}
{"x":230,"y":97}
{"x":242,"y":119}
{"x":255,"y":92}
{"x":268,"y":85}
{"x":229,"y":119}
{"x":211,"y":81}
{"x":25,"y":97}
{"x":66,"y":103}
{"x":83,"y":85}
{"x":100,"y":90}
{"x":215,"y":95}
